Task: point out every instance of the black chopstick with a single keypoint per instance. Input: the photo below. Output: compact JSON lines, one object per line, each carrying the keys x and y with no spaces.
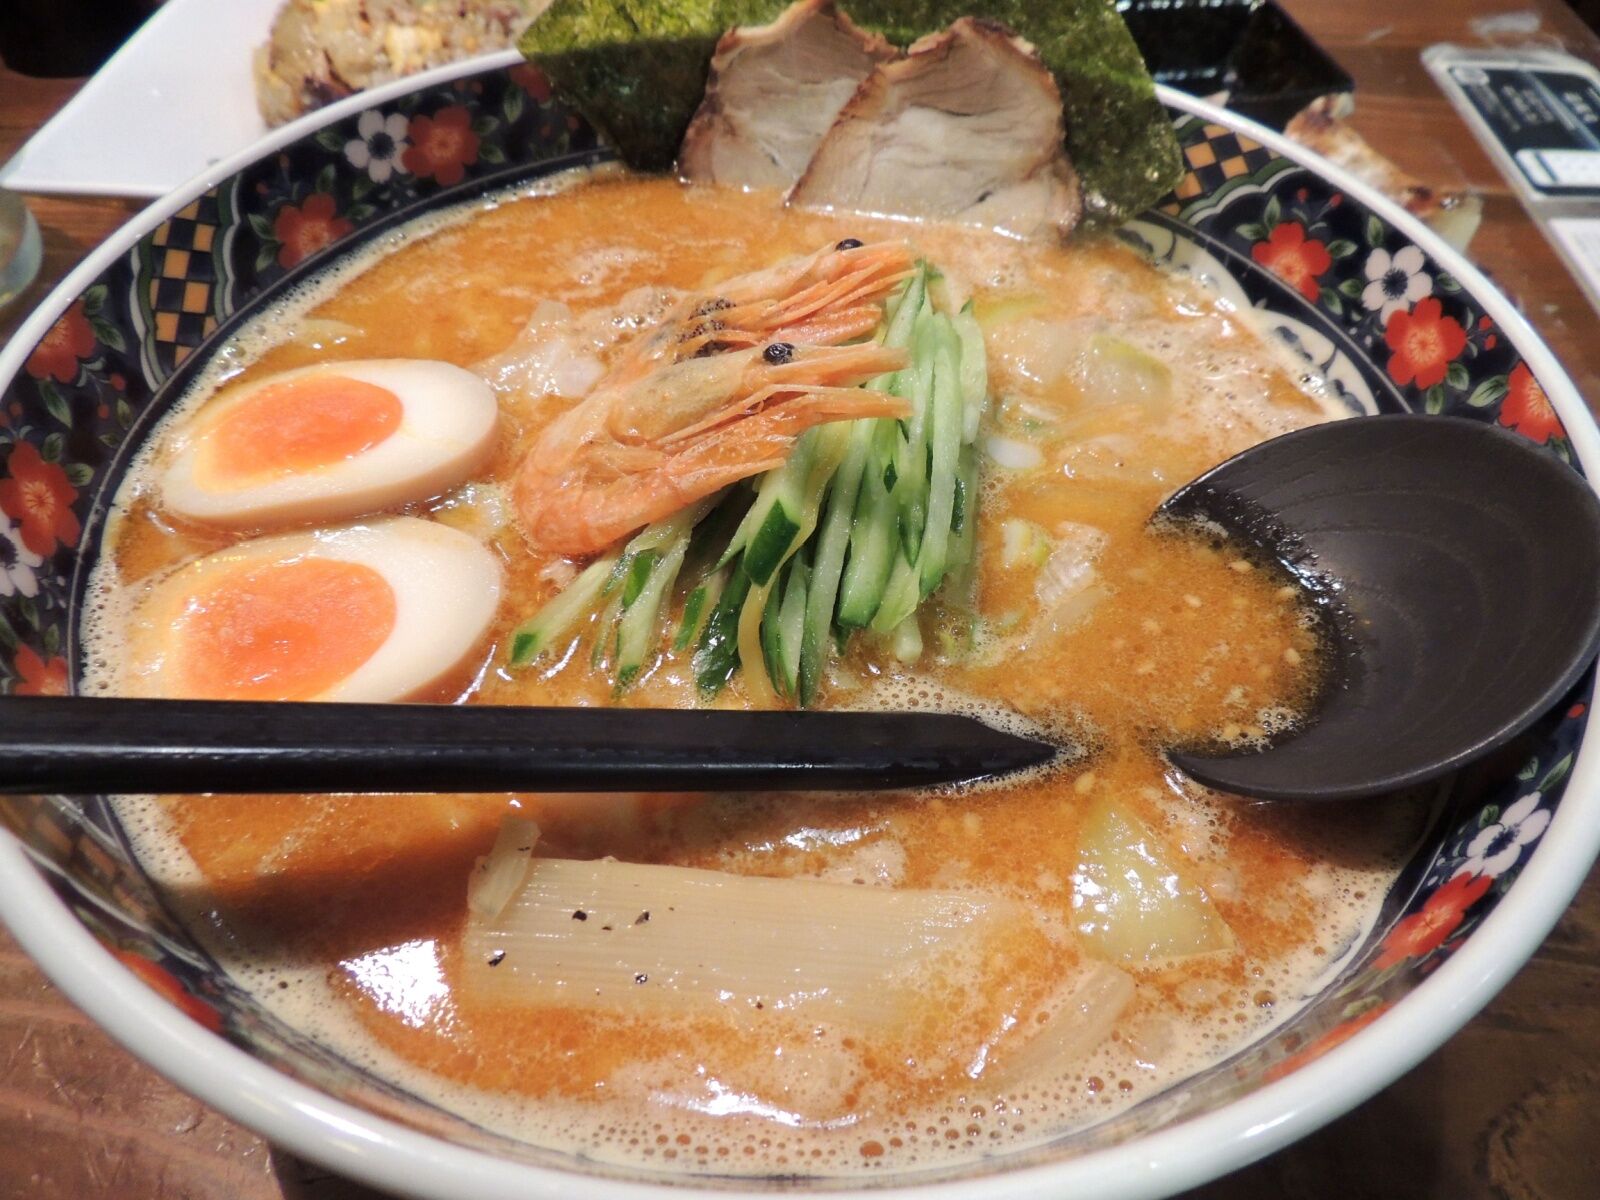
{"x":86,"y":745}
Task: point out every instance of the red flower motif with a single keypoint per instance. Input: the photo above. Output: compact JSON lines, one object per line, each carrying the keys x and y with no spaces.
{"x":58,"y":353}
{"x":1424,"y":932}
{"x":167,"y":985}
{"x":39,"y":499}
{"x":1527,"y":409}
{"x":1288,"y":255}
{"x":1336,"y":1036}
{"x":40,"y":678}
{"x":307,"y":229}
{"x":1425,"y":342}
{"x":441,"y":145}
{"x":531,"y":80}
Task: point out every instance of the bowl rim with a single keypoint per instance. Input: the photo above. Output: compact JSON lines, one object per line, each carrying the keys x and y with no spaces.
{"x":364,"y":1146}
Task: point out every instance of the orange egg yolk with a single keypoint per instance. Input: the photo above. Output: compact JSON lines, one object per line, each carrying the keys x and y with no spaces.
{"x":295,"y":426}
{"x":282,"y":630}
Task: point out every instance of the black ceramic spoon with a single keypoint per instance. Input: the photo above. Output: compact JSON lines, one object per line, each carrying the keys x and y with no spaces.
{"x":1460,"y":567}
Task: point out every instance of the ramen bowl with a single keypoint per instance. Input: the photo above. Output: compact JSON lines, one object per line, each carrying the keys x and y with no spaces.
{"x":1358,"y":292}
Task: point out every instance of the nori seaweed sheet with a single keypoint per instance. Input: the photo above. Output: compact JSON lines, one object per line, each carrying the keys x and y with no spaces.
{"x":638,"y":69}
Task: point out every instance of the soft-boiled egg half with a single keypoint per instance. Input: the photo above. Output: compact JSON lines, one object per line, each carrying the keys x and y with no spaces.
{"x":330,"y":442}
{"x":372,"y":612}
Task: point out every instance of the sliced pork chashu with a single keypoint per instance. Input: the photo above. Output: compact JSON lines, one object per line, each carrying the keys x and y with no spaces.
{"x":774,"y":90}
{"x":966,"y":127}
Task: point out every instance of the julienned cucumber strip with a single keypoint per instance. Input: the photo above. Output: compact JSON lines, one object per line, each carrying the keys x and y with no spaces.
{"x":862,"y":522}
{"x":791,"y":625}
{"x":911,"y":460}
{"x":698,"y":607}
{"x":641,"y":616}
{"x":974,"y":373}
{"x":640,"y":569}
{"x":874,"y":547}
{"x":769,"y":528}
{"x":771,"y":656}
{"x":963,"y":529}
{"x":717,"y":656}
{"x":901,"y":595}
{"x":605,"y":631}
{"x":901,"y":314}
{"x":946,"y":421}
{"x":536,"y":635}
{"x":900,"y":322}
{"x":832,"y":543}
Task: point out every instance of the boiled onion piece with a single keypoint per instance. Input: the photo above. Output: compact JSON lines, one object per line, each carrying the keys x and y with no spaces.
{"x":1130,"y":903}
{"x":1081,"y":1015}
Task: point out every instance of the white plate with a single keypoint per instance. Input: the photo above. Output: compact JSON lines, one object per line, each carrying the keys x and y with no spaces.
{"x":178,"y":97}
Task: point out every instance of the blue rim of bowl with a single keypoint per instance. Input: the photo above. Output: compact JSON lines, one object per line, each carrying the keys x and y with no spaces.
{"x":361,"y":1145}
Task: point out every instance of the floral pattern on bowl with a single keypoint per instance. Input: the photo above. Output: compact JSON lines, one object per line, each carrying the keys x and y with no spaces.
{"x":1348,"y":295}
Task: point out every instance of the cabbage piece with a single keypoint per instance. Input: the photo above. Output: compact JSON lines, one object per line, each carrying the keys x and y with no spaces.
{"x":1130,"y":903}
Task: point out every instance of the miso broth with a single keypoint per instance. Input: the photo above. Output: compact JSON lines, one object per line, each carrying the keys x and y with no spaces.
{"x":1114,"y":383}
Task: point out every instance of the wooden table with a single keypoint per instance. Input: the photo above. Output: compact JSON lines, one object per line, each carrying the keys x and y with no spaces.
{"x":1505,"y":1110}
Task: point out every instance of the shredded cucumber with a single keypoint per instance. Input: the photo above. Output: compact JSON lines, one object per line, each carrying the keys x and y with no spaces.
{"x":946,"y":419}
{"x":717,"y":657}
{"x":864,"y":521}
{"x":536,"y":635}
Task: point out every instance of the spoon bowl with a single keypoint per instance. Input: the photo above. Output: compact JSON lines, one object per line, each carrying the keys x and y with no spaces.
{"x":1458,"y":568}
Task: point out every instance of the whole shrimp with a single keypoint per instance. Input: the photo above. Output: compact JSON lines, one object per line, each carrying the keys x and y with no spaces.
{"x":719,"y":391}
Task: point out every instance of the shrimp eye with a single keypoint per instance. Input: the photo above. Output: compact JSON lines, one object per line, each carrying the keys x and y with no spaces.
{"x":778,"y":352}
{"x":848,"y":244}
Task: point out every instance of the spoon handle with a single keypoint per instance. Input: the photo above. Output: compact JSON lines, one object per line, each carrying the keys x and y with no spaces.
{"x":98,"y":746}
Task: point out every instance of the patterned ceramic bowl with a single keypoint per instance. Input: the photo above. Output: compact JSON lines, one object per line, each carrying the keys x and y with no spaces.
{"x":1363,"y":293}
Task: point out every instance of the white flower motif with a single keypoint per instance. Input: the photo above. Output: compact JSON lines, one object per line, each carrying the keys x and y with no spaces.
{"x":378,"y":148}
{"x":17,"y":562}
{"x":1395,"y":282}
{"x":1497,"y":847}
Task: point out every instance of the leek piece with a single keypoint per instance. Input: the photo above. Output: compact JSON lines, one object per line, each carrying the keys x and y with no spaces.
{"x":657,"y":940}
{"x":1130,"y":903}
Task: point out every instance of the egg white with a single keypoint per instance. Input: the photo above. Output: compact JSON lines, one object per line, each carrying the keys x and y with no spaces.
{"x":446,"y":434}
{"x":446,"y":586}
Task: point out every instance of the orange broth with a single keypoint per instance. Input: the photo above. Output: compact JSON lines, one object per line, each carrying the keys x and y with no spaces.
{"x":1189,"y":641}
